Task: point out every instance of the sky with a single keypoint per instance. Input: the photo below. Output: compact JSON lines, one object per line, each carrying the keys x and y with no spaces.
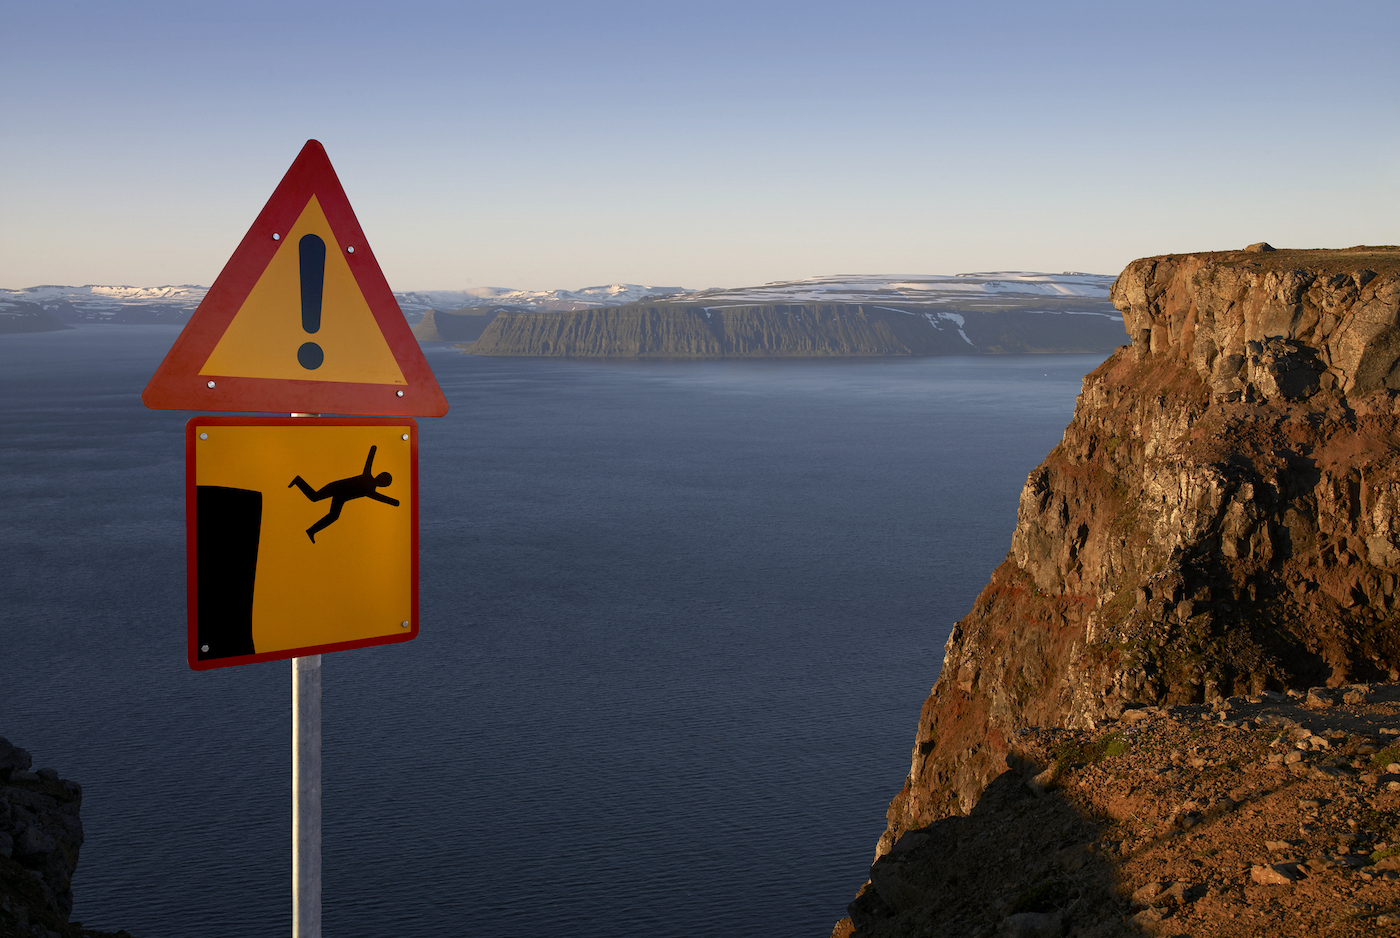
{"x":542,"y":144}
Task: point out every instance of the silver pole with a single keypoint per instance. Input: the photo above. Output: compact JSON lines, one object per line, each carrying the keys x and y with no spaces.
{"x":306,"y":797}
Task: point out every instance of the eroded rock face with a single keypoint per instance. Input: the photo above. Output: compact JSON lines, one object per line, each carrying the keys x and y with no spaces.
{"x":40,"y":836}
{"x":1220,"y":517}
{"x":1239,"y":319}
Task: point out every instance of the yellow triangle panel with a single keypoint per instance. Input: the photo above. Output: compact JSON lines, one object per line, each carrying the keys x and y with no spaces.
{"x":268,"y":330}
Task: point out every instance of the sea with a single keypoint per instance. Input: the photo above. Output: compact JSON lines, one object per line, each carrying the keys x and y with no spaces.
{"x":677,"y":622}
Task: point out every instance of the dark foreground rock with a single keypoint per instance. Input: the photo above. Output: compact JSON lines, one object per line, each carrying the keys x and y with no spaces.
{"x":41,"y":834}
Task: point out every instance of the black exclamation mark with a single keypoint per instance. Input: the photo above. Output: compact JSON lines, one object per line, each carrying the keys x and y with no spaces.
{"x":313,"y":278}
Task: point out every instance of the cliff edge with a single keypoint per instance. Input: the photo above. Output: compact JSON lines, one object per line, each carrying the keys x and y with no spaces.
{"x":1269,"y":815}
{"x":1220,"y":517}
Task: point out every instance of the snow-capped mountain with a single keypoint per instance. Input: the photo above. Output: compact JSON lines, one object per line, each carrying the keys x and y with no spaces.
{"x":93,"y":303}
{"x":96,"y":303}
{"x":615,"y":294}
{"x":1062,"y":293}
{"x":912,"y":288}
{"x":103,"y":297}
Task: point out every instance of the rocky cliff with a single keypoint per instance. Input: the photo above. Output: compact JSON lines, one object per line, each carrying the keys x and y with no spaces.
{"x":1220,"y":517}
{"x":801,"y":330}
{"x":27,"y":317}
{"x":40,"y":836}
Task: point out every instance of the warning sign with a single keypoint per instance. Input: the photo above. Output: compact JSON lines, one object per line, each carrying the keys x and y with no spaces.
{"x":301,"y":320}
{"x":303,"y":536}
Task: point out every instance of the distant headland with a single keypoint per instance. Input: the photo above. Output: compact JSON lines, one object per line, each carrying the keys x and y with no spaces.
{"x":822,"y":317}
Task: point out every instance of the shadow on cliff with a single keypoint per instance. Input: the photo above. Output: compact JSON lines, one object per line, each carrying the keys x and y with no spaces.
{"x":1020,"y":863}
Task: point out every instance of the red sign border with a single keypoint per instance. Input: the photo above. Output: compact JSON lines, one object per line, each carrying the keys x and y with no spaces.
{"x":177,"y":383}
{"x":192,"y":428}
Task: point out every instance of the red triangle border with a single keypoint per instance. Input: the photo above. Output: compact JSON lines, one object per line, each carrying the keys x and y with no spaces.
{"x":177,"y":383}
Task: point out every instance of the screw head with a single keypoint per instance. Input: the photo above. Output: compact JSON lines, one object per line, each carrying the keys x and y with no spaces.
{"x":204,"y":436}
{"x":404,"y":624}
{"x":211,"y":384}
{"x":351,"y":249}
{"x":399,"y":393}
{"x":405,"y":436}
{"x":204,"y":648}
{"x":276,"y":236}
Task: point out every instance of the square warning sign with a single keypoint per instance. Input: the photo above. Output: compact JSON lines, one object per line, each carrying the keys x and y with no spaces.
{"x":302,"y":536}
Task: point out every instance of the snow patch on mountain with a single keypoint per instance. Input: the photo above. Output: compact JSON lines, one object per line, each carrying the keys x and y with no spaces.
{"x":922,"y":289}
{"x":613,"y":294}
{"x":101,"y":302}
{"x":96,"y":295}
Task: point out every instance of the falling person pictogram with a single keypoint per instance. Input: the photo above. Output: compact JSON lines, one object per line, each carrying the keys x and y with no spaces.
{"x":343,"y":490}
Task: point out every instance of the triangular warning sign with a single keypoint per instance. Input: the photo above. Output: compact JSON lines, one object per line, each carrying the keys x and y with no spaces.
{"x":301,"y":319}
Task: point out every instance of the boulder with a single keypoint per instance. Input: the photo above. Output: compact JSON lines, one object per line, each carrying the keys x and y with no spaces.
{"x":12,"y":758}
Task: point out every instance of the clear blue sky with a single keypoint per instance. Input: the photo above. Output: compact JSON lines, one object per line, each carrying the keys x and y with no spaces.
{"x":552,"y":144}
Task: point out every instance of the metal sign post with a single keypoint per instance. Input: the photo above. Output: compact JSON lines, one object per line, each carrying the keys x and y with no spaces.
{"x":306,"y":797}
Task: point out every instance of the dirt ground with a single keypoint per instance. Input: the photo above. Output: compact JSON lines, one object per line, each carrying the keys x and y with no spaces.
{"x":1272,"y":815}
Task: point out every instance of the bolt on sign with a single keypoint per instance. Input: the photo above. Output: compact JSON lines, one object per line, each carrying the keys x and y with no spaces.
{"x":302,"y":532}
{"x":302,"y":536}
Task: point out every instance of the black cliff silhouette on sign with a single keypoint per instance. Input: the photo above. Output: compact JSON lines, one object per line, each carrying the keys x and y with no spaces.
{"x":227,"y":526}
{"x":343,"y":490}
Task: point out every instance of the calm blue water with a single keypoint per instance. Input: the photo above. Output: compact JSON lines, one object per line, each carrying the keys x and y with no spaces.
{"x":678,"y":621}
